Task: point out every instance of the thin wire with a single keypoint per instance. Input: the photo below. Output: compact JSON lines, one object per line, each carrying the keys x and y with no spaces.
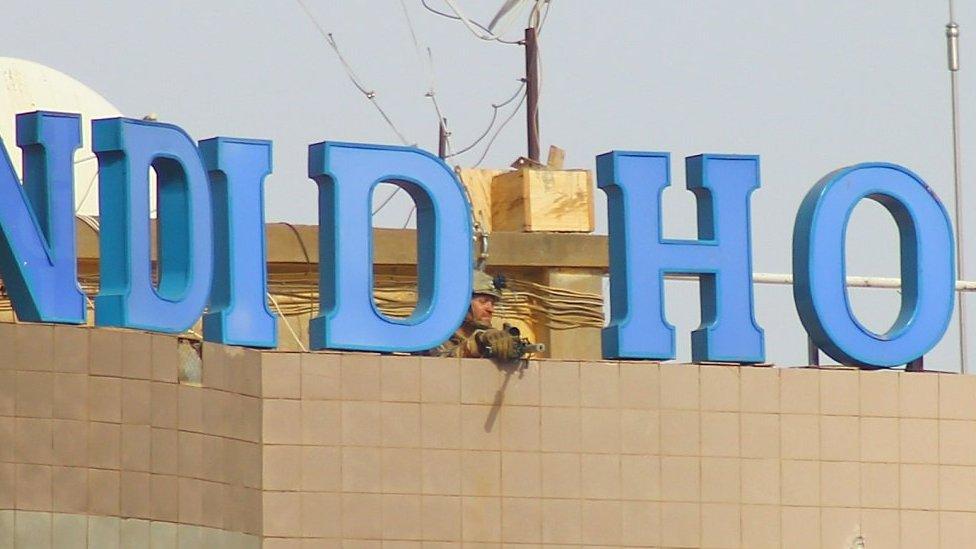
{"x":499,"y":130}
{"x":409,"y":215}
{"x":468,"y":22}
{"x":387,"y":200}
{"x":370,"y":94}
{"x":84,"y":197}
{"x":494,"y":115}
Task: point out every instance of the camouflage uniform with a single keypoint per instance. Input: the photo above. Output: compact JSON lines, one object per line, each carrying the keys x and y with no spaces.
{"x":462,"y":344}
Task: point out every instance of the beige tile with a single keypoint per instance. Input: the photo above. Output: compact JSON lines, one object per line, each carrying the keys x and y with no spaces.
{"x":720,"y":525}
{"x":640,"y":385}
{"x":360,"y":376}
{"x":70,"y":442}
{"x":919,"y":440}
{"x":136,"y":447}
{"x":521,"y":520}
{"x":165,"y":358}
{"x":879,"y":393}
{"x":8,"y":391}
{"x":320,"y":376}
{"x":8,"y":433}
{"x":600,"y":384}
{"x":162,"y":535}
{"x":104,"y":445}
{"x":401,"y":517}
{"x":361,"y":422}
{"x":839,"y":392}
{"x":190,"y":454}
{"x":324,"y":422}
{"x":957,"y":396}
{"x":879,"y":485}
{"x":32,"y":529}
{"x":282,"y":513}
{"x":840,"y":483}
{"x":600,"y":430}
{"x":106,"y":352}
{"x":190,"y":415}
{"x":641,"y":523}
{"x":720,"y":434}
{"x":957,"y":488}
{"x":839,"y":526}
{"x":680,"y":433}
{"x":520,"y":428}
{"x":134,"y":500}
{"x":640,"y":431}
{"x":481,"y":519}
{"x":800,"y":390}
{"x":441,"y":471}
{"x":561,"y":475}
{"x":600,"y":476}
{"x":362,"y":469}
{"x":33,"y":440}
{"x":919,"y":486}
{"x":560,"y":383}
{"x":799,"y":436}
{"x":680,"y":524}
{"x":521,"y":474}
{"x":957,"y":529}
{"x":402,"y":470}
{"x":840,"y":438}
{"x":7,"y":527}
{"x":69,"y":489}
{"x":561,"y":519}
{"x":71,"y":349}
{"x":881,"y":527}
{"x":163,"y":452}
{"x":679,"y":387}
{"x":70,"y":398}
{"x":560,"y":429}
{"x":35,"y":347}
{"x":281,"y":375}
{"x":760,"y":526}
{"x":164,"y":498}
{"x":879,"y":439}
{"x":919,"y":529}
{"x":165,"y":405}
{"x":760,"y":481}
{"x":321,"y":469}
{"x":441,"y":518}
{"x":400,"y":378}
{"x":440,"y":425}
{"x":721,"y":480}
{"x":136,"y":353}
{"x":760,"y":435}
{"x":759,"y":389}
{"x":282,"y":467}
{"x":34,"y":488}
{"x":35,"y":394}
{"x":480,"y":380}
{"x":720,"y":388}
{"x":800,"y":527}
{"x":681,"y":478}
{"x":481,"y":473}
{"x":104,"y":491}
{"x":523,"y":388}
{"x":640,"y":477}
{"x":918,"y":394}
{"x":957,"y":442}
{"x":480,"y":428}
{"x":400,"y":424}
{"x":71,"y":531}
{"x":601,"y":524}
{"x":800,"y":483}
{"x":440,"y":379}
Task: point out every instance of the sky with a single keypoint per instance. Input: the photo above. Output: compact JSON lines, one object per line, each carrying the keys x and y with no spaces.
{"x":809,"y":86}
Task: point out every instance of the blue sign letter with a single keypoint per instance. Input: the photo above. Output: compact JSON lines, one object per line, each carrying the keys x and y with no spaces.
{"x":347,"y":174}
{"x":818,"y":265}
{"x":37,"y":222}
{"x":238,"y":312}
{"x":126,"y":150}
{"x":640,"y":256}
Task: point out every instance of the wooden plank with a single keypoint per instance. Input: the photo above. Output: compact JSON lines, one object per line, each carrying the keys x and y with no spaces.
{"x":557,"y":158}
{"x":508,"y":205}
{"x":478,"y":183}
{"x":560,"y":200}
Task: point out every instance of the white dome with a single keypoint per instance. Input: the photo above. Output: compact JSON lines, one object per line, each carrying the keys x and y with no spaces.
{"x":26,"y":86}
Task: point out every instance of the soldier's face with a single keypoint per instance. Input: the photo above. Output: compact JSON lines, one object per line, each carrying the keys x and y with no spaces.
{"x":482,"y":308}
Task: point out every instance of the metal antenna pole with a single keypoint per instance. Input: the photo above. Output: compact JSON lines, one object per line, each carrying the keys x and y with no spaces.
{"x":532,"y":91}
{"x":442,"y":138}
{"x":952,"y":45}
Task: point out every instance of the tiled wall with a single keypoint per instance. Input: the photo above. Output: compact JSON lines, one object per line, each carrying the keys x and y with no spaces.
{"x":101,"y":445}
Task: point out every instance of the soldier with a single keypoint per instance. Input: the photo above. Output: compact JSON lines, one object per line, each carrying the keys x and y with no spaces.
{"x":476,"y":338}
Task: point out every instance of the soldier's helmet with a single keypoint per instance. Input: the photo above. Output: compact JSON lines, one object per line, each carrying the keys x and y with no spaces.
{"x":483,"y":283}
